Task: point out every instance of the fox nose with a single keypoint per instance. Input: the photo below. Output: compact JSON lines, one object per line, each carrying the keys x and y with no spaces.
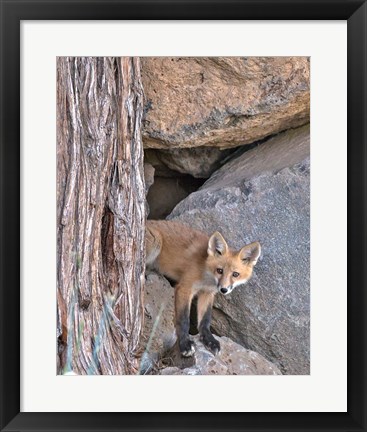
{"x":223,"y":290}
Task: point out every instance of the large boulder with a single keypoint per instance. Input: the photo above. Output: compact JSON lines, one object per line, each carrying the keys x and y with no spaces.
{"x":264,"y":195}
{"x":284,"y":150}
{"x":222,"y":102}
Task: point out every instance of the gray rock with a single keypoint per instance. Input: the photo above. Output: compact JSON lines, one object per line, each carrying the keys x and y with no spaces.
{"x":149,"y":180}
{"x":281,"y":151}
{"x":151,"y":156}
{"x":264,"y":196}
{"x":159,"y":342}
{"x":163,"y":196}
{"x":233,"y":359}
{"x":173,"y":370}
{"x":158,"y":333}
{"x":200,"y":162}
{"x":148,"y":176}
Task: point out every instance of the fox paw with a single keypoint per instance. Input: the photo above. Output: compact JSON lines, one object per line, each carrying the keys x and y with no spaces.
{"x":210,"y":343}
{"x":187,"y":348}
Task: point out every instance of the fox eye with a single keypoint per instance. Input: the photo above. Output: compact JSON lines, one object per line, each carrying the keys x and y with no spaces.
{"x":219,"y":270}
{"x":235,"y":274}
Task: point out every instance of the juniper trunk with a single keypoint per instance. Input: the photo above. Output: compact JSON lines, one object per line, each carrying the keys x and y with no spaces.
{"x":100,"y":214}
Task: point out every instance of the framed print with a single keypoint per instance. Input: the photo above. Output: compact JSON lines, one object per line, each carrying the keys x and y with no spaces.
{"x":249,"y":121}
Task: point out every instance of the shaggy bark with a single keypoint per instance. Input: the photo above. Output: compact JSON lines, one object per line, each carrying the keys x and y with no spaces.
{"x":100,"y":214}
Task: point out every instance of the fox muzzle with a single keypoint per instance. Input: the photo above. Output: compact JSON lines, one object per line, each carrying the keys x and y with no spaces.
{"x":225,"y":290}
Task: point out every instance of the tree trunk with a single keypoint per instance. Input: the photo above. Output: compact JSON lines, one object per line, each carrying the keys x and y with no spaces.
{"x":100,"y":214}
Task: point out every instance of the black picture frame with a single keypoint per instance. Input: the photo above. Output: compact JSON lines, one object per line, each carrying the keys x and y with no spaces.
{"x":12,"y":12}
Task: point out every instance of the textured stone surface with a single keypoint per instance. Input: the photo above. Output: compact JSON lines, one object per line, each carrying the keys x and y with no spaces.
{"x":163,"y":196}
{"x":222,"y":102}
{"x":281,"y":151}
{"x":257,"y":197}
{"x":158,"y":332}
{"x":149,"y":180}
{"x":200,"y":162}
{"x":233,"y":359}
{"x":159,"y":337}
{"x":148,"y":176}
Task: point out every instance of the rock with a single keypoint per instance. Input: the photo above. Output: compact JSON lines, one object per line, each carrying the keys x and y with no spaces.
{"x":241,"y":361}
{"x":283,"y":150}
{"x":159,"y":342}
{"x":264,"y":195}
{"x":151,"y":156}
{"x":163,"y":196}
{"x":148,"y":176}
{"x":200,"y":162}
{"x":232,"y":359}
{"x":158,"y":333}
{"x":149,"y":180}
{"x":172,"y":370}
{"x":165,"y":193}
{"x":222,"y":102}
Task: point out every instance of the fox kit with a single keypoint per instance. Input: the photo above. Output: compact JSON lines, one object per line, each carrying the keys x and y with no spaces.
{"x":202,"y":267}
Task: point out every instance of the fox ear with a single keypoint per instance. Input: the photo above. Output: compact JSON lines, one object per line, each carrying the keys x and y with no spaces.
{"x":250,"y":253}
{"x":217,"y":245}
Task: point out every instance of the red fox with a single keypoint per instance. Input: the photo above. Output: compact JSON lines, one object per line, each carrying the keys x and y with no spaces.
{"x":202,"y":266}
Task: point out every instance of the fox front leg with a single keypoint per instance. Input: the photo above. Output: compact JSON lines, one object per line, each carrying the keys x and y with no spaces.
{"x":183,"y":297}
{"x":205,"y":305}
